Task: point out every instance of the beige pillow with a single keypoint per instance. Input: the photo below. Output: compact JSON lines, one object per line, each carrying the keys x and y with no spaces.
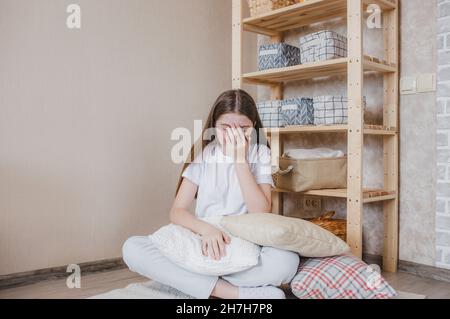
{"x":285,"y":233}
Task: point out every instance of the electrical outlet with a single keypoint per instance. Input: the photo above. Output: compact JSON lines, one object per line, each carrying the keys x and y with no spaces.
{"x":426,"y":83}
{"x":312,"y":204}
{"x":408,"y":85}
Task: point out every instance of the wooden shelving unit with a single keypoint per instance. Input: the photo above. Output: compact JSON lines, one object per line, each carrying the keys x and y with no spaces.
{"x":274,"y":24}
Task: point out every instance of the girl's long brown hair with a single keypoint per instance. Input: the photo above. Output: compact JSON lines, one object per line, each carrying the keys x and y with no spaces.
{"x":232,"y":101}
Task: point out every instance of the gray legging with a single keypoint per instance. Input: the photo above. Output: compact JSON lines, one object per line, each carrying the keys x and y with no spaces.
{"x":275,"y":267}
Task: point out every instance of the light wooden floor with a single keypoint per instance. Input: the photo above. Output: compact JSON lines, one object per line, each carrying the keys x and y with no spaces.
{"x":103,"y":282}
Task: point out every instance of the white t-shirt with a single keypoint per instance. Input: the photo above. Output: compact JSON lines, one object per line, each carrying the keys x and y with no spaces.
{"x":219,"y":191}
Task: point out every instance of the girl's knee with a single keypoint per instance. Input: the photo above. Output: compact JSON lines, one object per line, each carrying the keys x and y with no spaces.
{"x":130,"y":250}
{"x":282,"y":264}
{"x":291,"y":261}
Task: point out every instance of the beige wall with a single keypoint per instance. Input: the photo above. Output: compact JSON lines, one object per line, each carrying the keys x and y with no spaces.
{"x":86,"y":118}
{"x":418,"y":135}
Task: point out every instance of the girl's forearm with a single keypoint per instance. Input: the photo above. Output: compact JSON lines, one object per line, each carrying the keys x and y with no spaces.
{"x":182,"y":217}
{"x":254,"y":197}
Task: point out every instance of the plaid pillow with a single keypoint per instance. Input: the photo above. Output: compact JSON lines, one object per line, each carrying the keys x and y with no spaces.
{"x":342,"y":277}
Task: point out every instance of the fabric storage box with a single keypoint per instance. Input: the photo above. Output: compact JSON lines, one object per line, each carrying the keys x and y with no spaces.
{"x":278,"y":55}
{"x":297,"y":111}
{"x":270,"y":115}
{"x":321,"y":46}
{"x":331,"y":110}
{"x":258,"y":7}
{"x":301,"y":175}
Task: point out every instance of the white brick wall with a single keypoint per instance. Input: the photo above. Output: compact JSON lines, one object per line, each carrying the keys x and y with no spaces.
{"x":443,"y":137}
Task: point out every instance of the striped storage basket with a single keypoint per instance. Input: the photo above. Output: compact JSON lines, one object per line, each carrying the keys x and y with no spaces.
{"x":278,"y":55}
{"x":331,"y":110}
{"x":269,"y":113}
{"x":297,"y":111}
{"x":321,"y":46}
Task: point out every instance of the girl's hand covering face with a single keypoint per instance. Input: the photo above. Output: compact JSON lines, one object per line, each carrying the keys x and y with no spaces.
{"x":214,"y":242}
{"x":237,"y":142}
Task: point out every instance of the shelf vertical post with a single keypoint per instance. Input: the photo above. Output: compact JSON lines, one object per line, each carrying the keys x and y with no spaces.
{"x":237,"y":43}
{"x":277,"y":149}
{"x":277,"y":139}
{"x":355,"y":194}
{"x":391,"y":143}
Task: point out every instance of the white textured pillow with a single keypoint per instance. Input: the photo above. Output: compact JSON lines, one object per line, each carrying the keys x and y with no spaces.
{"x":285,"y":233}
{"x":184,"y":248}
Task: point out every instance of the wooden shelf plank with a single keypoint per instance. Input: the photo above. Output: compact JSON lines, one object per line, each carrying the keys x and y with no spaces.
{"x":370,"y":195}
{"x":369,"y":130}
{"x":298,"y":15}
{"x":336,"y":193}
{"x":308,"y":129}
{"x":381,"y":132}
{"x":378,"y":66}
{"x":299,"y":72}
{"x":313,"y":70}
{"x":303,"y":14}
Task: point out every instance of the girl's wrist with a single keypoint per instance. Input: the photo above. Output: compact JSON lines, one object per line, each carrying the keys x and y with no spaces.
{"x":240,"y":165}
{"x":205,"y":228}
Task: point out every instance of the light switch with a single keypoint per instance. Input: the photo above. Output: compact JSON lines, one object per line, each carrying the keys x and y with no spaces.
{"x":408,"y":85}
{"x":426,"y":83}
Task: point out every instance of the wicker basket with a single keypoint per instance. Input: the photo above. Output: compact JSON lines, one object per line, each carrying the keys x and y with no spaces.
{"x":258,"y":7}
{"x":336,"y":226}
